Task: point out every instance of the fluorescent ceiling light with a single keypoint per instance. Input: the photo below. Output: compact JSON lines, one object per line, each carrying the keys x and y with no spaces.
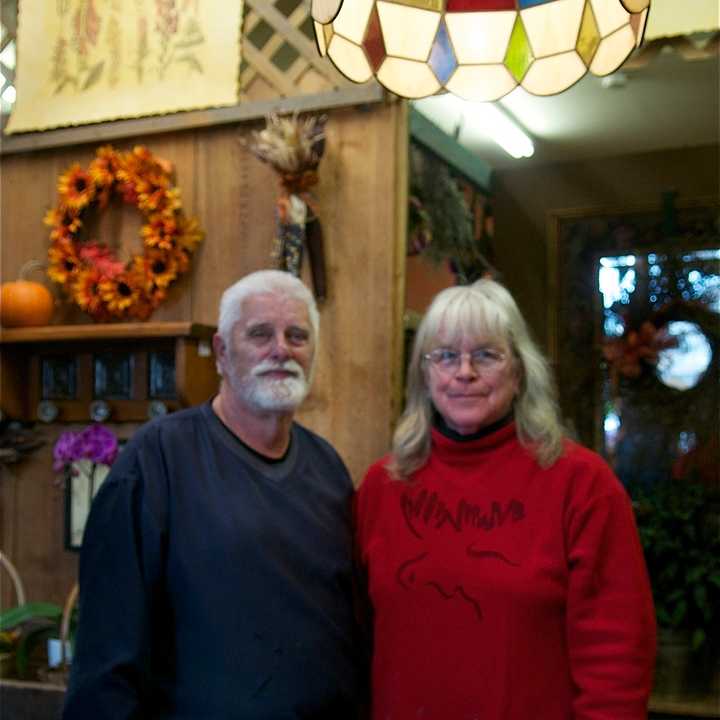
{"x":488,"y":120}
{"x":473,"y":121}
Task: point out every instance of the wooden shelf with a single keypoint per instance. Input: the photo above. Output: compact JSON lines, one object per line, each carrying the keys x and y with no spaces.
{"x":27,"y":356}
{"x":107,"y":331}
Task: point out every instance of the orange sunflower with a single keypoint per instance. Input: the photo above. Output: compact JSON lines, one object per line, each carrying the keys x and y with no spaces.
{"x":160,"y":232}
{"x":86,"y":293}
{"x":160,"y":268}
{"x":99,"y":282}
{"x":64,"y":261}
{"x":76,"y":188}
{"x":120,"y":292}
{"x":64,"y":223}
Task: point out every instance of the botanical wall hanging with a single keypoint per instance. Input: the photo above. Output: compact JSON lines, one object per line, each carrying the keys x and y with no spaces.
{"x":84,"y":61}
{"x":92,"y":275}
{"x":294,"y":147}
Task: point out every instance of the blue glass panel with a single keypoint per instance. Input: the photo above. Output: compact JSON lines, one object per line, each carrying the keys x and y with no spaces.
{"x":532,"y":3}
{"x":59,"y":377}
{"x":162,"y":374}
{"x":113,"y":375}
{"x":442,"y":58}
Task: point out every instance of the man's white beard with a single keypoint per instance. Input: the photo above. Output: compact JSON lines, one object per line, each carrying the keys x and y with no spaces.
{"x":271,"y":394}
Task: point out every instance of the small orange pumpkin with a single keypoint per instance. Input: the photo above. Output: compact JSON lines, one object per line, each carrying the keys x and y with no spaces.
{"x":24,"y":303}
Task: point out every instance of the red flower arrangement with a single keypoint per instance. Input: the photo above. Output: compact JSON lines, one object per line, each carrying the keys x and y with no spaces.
{"x":628,"y":354}
{"x":102,"y":285}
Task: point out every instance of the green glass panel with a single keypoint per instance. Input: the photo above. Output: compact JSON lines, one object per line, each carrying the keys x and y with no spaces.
{"x":589,"y":37}
{"x":519,"y":57}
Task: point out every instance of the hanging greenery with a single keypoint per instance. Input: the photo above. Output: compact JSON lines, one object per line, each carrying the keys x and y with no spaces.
{"x":440,"y":224}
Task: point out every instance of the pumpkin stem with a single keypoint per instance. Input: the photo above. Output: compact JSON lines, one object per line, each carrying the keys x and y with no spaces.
{"x":30,"y":266}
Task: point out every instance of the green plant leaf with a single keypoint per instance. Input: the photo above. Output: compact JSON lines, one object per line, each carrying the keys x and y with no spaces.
{"x":698,"y":639}
{"x":16,"y":616}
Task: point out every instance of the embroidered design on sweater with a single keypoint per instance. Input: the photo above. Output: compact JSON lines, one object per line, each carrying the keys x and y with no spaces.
{"x":428,"y":512}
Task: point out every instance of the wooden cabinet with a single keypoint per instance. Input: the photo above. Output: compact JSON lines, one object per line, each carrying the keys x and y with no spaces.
{"x":133,"y":370}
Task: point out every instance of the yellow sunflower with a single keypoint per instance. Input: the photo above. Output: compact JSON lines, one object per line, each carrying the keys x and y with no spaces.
{"x":104,"y":167}
{"x":64,"y":262}
{"x":86,"y":293}
{"x":160,"y":231}
{"x":159,"y":268}
{"x":189,"y":233}
{"x":119,"y":293}
{"x":64,"y":223}
{"x":76,"y":188}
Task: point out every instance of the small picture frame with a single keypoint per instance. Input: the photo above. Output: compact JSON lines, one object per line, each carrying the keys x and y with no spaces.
{"x":81,"y":485}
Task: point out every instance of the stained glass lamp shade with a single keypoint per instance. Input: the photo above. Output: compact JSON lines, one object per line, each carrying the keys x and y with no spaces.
{"x":477,"y":49}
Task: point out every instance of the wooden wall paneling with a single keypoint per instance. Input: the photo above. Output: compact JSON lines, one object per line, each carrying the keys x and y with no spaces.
{"x":236,"y":196}
{"x":33,"y":538}
{"x":352,"y":399}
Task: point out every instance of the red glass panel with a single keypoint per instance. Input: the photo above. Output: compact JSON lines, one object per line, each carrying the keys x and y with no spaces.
{"x":374,"y":43}
{"x":479,"y":5}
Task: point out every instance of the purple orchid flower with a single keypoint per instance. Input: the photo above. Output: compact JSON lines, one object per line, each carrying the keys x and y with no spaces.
{"x":95,"y":443}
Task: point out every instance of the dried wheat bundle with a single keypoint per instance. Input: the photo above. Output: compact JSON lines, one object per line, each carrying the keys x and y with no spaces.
{"x":291,"y":145}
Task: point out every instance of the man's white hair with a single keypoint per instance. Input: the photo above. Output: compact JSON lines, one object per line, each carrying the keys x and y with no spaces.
{"x":257,"y":283}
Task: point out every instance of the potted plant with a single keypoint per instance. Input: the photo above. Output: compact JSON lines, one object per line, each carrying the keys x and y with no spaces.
{"x":678,"y":525}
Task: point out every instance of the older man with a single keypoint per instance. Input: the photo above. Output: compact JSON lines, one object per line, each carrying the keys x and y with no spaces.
{"x":216,"y":569}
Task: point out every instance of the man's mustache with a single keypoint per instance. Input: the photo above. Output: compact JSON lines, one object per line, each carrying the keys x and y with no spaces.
{"x":267,"y":366}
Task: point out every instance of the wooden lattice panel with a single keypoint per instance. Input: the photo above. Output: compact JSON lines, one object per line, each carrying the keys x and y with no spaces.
{"x":279,"y":53}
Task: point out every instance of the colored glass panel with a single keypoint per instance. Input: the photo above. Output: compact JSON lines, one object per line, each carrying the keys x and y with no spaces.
{"x":59,"y":377}
{"x":635,"y":6}
{"x":408,"y":32}
{"x":484,"y":83}
{"x":609,"y":15}
{"x":519,"y":56}
{"x":113,"y":373}
{"x":408,"y":78}
{"x":434,"y":5}
{"x":480,"y":37}
{"x":532,"y":3}
{"x":551,"y":75}
{"x":637,"y":23}
{"x":478,"y":5}
{"x":352,"y":19}
{"x":349,"y":59}
{"x":612,"y":51}
{"x":442,"y":59}
{"x":374,"y":43}
{"x":324,"y":11}
{"x":589,"y":37}
{"x":553,"y":28}
{"x":320,"y":38}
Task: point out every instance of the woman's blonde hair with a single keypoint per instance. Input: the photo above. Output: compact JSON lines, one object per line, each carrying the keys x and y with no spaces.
{"x":485,"y":309}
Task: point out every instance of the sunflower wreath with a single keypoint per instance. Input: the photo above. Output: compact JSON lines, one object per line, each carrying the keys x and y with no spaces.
{"x":102,"y":285}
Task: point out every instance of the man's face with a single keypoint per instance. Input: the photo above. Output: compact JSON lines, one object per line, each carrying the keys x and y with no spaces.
{"x":270,"y":354}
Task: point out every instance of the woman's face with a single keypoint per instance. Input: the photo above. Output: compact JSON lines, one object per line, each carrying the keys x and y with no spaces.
{"x":476,"y":389}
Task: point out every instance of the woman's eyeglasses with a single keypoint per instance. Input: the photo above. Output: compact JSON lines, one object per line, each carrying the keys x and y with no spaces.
{"x":483,"y":360}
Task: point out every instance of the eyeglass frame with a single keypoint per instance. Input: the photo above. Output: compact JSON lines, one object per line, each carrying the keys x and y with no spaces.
{"x":494,"y":366}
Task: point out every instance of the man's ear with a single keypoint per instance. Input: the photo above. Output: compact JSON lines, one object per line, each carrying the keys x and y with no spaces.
{"x":220,"y":350}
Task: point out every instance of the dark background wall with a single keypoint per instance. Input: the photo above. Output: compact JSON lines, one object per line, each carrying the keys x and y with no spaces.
{"x":524,"y":197}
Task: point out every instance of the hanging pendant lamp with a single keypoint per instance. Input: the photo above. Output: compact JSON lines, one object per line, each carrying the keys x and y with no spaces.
{"x":477,"y":49}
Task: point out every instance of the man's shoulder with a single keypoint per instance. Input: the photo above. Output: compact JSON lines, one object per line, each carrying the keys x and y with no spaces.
{"x":311,"y":441}
{"x":168,"y":428}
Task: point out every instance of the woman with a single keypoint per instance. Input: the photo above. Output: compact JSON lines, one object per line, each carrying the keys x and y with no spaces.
{"x":504,"y":569}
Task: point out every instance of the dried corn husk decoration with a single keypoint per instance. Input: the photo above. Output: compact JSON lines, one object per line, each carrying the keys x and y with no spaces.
{"x":294,"y":148}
